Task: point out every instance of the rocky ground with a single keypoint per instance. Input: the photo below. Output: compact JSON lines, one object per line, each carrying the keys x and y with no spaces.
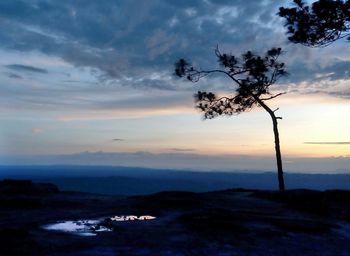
{"x":231,"y":222}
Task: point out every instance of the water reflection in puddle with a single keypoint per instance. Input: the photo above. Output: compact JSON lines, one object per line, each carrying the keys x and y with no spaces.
{"x":80,"y":227}
{"x":92,"y":227}
{"x":132,"y":218}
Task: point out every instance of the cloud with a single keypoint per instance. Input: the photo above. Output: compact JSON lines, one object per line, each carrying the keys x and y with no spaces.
{"x":117,"y":140}
{"x":181,"y":149}
{"x":19,"y":68}
{"x":37,"y":130}
{"x":188,"y":161}
{"x":118,"y":48}
{"x":302,"y":70}
{"x":118,"y":40}
{"x":14,"y":76}
{"x":78,"y":81}
{"x":147,"y":101}
{"x":328,"y":143}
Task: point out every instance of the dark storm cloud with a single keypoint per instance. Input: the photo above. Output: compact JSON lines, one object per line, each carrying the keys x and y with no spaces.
{"x":27,"y":68}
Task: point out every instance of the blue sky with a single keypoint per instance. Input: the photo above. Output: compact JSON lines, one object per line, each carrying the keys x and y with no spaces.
{"x":94,"y":76}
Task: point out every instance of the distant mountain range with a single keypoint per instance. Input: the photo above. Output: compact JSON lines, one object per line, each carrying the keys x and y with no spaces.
{"x":133,"y":181}
{"x":186,"y":160}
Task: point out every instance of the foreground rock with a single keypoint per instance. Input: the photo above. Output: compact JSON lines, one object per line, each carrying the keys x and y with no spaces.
{"x":231,"y":222}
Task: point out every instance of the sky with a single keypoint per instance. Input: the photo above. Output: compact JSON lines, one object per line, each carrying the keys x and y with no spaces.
{"x":96,"y":78}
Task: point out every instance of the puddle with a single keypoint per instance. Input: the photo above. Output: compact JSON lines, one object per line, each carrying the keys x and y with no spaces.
{"x":132,"y":218}
{"x":93,"y":227}
{"x":80,"y":227}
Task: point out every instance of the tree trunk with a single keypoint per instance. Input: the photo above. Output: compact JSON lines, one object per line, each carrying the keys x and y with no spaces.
{"x":278,"y":153}
{"x":277,"y":143}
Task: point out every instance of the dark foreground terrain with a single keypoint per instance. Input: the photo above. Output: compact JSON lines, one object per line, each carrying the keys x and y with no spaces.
{"x":230,"y":222}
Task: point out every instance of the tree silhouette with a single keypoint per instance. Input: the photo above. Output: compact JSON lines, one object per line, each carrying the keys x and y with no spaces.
{"x":253,"y":75}
{"x":318,"y":25}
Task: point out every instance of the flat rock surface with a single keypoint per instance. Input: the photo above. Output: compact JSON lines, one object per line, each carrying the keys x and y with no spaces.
{"x":231,"y":222}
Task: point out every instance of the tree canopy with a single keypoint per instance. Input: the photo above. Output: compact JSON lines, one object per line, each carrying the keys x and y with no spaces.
{"x":319,"y":24}
{"x":252,"y":76}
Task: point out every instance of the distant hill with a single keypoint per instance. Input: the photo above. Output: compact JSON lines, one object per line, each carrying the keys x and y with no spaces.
{"x":133,"y":181}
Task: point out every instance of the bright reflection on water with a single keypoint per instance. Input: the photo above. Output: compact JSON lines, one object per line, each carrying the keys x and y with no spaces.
{"x":92,"y":227}
{"x":80,"y":227}
{"x":132,"y":218}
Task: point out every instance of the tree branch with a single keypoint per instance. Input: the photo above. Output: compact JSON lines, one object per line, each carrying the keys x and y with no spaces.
{"x":274,"y":96}
{"x":207,"y":72}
